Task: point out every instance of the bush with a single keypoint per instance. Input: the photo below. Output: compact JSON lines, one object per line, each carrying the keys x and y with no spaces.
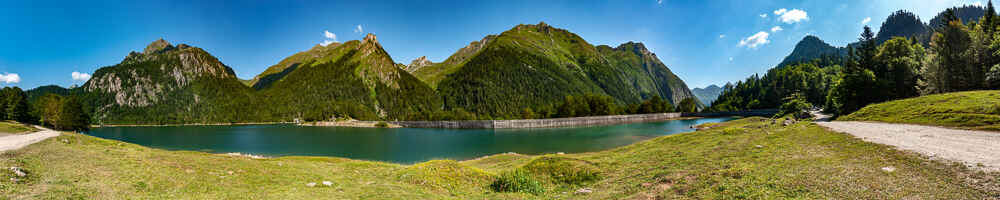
{"x":516,"y":181}
{"x":564,"y":170}
{"x":795,"y":105}
{"x":688,"y":105}
{"x":381,"y":124}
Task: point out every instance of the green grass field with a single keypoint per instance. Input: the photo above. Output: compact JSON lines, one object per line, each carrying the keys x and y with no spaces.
{"x":15,"y":128}
{"x":750,"y":158}
{"x":971,"y":110}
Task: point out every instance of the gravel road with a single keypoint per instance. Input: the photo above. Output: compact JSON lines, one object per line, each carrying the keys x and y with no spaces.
{"x":970,"y":147}
{"x":12,"y":142}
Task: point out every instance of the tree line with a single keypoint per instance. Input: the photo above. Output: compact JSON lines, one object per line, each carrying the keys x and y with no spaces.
{"x":52,"y":110}
{"x":960,"y":56}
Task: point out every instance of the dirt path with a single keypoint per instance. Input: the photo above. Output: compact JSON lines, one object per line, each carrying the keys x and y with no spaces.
{"x":974,"y":148}
{"x":12,"y":142}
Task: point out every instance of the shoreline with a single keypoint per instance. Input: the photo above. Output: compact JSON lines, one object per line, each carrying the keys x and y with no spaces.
{"x":193,"y":124}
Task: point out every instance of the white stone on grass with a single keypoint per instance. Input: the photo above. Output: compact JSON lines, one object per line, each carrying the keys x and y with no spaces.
{"x":889,"y":169}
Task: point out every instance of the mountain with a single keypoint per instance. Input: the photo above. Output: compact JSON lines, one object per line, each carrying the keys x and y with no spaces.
{"x":967,"y":13}
{"x":434,"y":73}
{"x":903,"y":24}
{"x":287,"y":65}
{"x":418,"y":63}
{"x":39,"y":92}
{"x":811,"y":48}
{"x":355,"y":79}
{"x":708,"y":94}
{"x":168,"y":84}
{"x":899,"y":24}
{"x":529,"y":66}
{"x":533,"y":66}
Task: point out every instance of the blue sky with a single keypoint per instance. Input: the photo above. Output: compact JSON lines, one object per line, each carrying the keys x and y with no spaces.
{"x":703,"y":42}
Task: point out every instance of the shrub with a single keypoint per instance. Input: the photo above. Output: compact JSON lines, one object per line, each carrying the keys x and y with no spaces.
{"x":381,"y":124}
{"x":516,"y":181}
{"x":564,"y":170}
{"x":795,"y":105}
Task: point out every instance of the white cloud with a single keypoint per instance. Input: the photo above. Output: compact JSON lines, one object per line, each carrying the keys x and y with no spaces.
{"x":763,"y":15}
{"x":659,"y":1}
{"x":359,"y":30}
{"x":730,"y":59}
{"x":722,"y":36}
{"x":776,"y":29}
{"x":330,"y":36}
{"x":755,"y":40}
{"x":978,"y":4}
{"x":10,"y":78}
{"x":866,"y":20}
{"x":780,"y":11}
{"x":791,"y":16}
{"x":77,"y":76}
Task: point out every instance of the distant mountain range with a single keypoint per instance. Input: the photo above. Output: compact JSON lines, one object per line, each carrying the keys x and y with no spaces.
{"x":528,"y":66}
{"x":708,"y":94}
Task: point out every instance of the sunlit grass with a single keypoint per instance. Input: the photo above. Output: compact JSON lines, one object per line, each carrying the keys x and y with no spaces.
{"x":749,"y":158}
{"x":972,"y":110}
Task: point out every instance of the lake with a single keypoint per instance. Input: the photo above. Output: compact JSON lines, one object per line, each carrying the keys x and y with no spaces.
{"x":399,"y":145}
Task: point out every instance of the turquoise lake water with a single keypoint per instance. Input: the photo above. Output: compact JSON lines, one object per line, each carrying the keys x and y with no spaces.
{"x":399,"y":145}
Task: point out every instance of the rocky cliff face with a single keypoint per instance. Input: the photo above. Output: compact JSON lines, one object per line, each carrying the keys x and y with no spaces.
{"x":162,"y":74}
{"x":418,"y":63}
{"x":141,"y":78}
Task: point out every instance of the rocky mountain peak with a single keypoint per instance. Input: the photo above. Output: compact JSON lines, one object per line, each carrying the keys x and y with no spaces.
{"x":636,"y":47}
{"x":370,"y":38}
{"x":157,"y":46}
{"x":418,"y":63}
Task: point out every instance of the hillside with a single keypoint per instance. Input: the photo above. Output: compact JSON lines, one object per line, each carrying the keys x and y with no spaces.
{"x":356,"y":79}
{"x":532,"y":66}
{"x":168,"y":84}
{"x":966,"y":13}
{"x":433,"y":73}
{"x":811,"y":48}
{"x":903,"y":24}
{"x":708,"y":94}
{"x":973,"y":110}
{"x":36,"y":93}
{"x":289,"y":64}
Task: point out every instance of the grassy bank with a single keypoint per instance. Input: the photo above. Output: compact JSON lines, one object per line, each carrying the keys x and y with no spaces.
{"x":15,"y":128}
{"x":749,"y":158}
{"x":971,"y":110}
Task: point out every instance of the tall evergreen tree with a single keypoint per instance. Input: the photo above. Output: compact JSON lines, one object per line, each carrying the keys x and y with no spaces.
{"x":989,"y":18}
{"x":72,"y":116}
{"x":867,"y":49}
{"x":17,"y":104}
